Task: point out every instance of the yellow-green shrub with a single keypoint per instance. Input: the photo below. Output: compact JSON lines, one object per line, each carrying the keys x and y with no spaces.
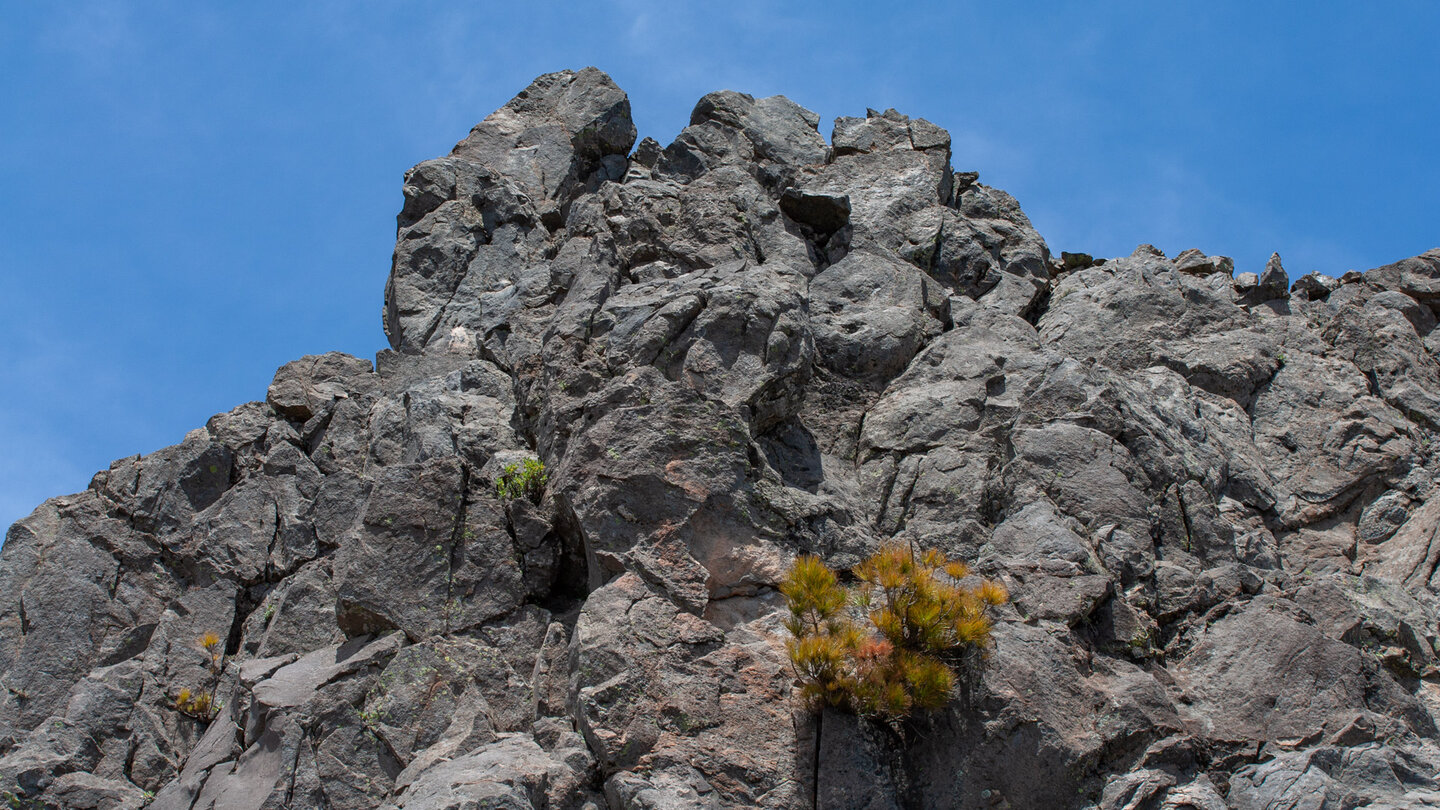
{"x":921,"y":620}
{"x":201,"y":703}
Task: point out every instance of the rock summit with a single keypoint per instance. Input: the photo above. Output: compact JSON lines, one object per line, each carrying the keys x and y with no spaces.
{"x":1212,"y":497}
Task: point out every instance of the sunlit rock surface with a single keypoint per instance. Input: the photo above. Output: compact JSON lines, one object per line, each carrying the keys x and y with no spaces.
{"x":1212,"y":500}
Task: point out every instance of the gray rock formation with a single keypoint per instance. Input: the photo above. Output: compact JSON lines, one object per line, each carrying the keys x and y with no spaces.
{"x":1213,"y":501}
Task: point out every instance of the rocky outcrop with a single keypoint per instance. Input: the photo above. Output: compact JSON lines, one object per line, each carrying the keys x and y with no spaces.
{"x":1212,"y":499}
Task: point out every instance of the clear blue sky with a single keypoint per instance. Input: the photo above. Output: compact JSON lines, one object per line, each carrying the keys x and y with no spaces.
{"x":193,"y":196}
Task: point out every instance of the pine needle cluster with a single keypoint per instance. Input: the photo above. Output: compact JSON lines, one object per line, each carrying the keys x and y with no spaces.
{"x":921,"y":622}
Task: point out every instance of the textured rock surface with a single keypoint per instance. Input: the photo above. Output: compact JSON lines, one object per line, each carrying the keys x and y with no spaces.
{"x":1213,"y":501}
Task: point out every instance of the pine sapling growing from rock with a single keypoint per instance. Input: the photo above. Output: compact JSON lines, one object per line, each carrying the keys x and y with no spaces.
{"x":823,"y":634}
{"x":201,"y":703}
{"x":922,"y":622}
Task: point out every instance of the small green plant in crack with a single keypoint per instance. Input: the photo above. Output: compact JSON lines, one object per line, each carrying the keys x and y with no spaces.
{"x":371,"y":717}
{"x":18,"y":801}
{"x":268,"y":614}
{"x":525,"y":479}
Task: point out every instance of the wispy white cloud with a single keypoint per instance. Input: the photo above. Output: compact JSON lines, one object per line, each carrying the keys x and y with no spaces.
{"x":639,"y":28}
{"x":93,"y":34}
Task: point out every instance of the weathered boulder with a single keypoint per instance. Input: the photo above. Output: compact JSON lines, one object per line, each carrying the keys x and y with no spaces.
{"x":769,"y":137}
{"x":1373,"y":775}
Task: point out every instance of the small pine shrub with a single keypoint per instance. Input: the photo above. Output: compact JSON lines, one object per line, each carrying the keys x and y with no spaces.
{"x":201,"y":703}
{"x":526,"y":479}
{"x":921,"y":623}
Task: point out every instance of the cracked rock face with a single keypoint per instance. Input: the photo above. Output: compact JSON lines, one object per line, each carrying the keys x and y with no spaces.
{"x":1213,"y":502}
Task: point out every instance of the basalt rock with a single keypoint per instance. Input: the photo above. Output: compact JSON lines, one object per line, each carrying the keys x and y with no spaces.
{"x":1213,"y":502}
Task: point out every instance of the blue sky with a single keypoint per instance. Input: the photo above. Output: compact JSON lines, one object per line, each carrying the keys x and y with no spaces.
{"x":193,"y":196}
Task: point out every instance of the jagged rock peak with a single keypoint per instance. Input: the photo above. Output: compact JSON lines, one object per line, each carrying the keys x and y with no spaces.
{"x":529,"y":557}
{"x":556,"y":131}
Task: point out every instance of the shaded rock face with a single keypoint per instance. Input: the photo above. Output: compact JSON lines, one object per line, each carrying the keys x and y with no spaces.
{"x":1212,"y":502}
